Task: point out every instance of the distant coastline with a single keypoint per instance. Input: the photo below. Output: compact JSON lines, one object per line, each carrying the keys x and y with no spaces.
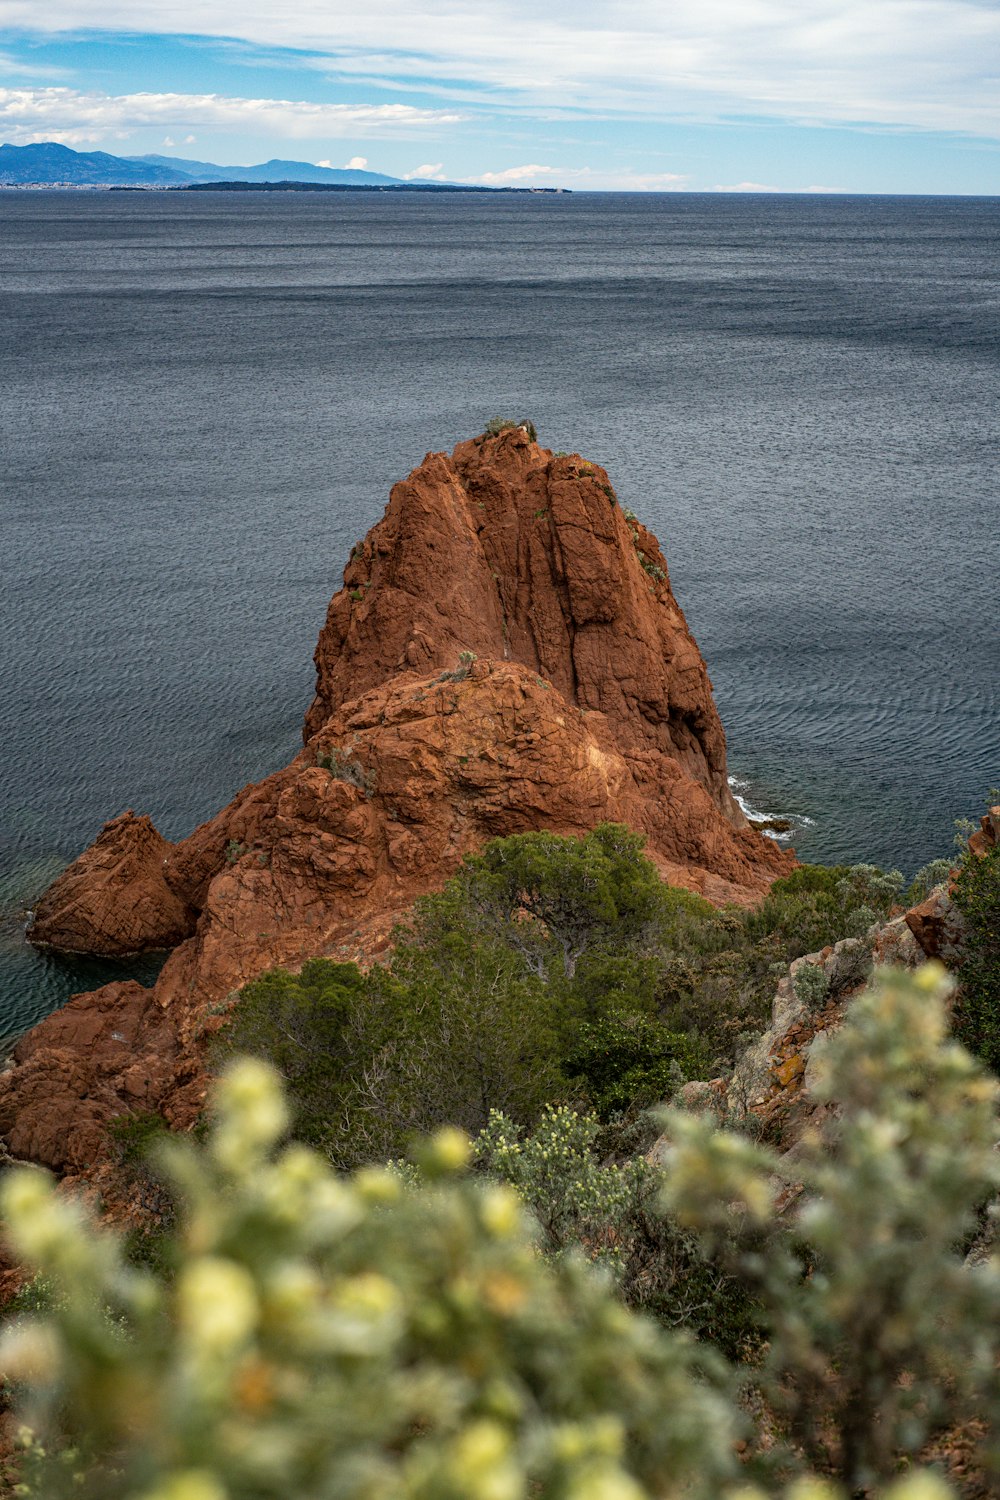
{"x":276,"y":187}
{"x":336,"y":187}
{"x":49,"y":164}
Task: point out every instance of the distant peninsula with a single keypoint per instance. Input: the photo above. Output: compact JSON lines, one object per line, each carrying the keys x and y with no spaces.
{"x":48,"y":164}
{"x":341,"y":187}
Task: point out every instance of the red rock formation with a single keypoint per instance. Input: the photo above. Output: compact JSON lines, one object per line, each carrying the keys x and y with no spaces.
{"x":115,"y":899}
{"x":517,"y":555}
{"x":584,"y":699}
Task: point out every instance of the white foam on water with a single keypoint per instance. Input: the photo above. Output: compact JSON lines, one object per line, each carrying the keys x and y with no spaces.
{"x":755,"y":814}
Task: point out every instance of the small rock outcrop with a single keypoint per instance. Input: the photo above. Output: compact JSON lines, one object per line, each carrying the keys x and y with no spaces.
{"x":115,"y":899}
{"x":506,"y":654}
{"x":936,"y":923}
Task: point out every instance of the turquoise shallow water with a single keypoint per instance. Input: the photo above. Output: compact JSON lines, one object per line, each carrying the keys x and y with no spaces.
{"x":205,"y":403}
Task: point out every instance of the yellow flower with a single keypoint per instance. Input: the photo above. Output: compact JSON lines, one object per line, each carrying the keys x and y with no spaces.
{"x":500,"y":1211}
{"x":605,"y":1482}
{"x":482,"y":1464}
{"x":252,"y":1113}
{"x":41,"y":1226}
{"x":449,"y":1150}
{"x":920,"y":1487}
{"x":378,"y":1186}
{"x":191,"y":1484}
{"x":217,"y":1304}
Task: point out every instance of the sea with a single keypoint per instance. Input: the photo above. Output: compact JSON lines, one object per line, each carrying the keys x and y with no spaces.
{"x":205,"y":399}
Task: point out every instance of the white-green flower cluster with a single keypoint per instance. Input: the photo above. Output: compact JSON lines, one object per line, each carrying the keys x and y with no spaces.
{"x":349,"y":1337}
{"x":577,"y":1201}
{"x":880,"y":1332}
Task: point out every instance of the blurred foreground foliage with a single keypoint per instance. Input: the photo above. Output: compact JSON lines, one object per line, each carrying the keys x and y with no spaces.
{"x":403,"y":1336}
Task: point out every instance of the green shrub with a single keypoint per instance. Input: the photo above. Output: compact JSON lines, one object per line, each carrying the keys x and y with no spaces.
{"x":608,"y":1210}
{"x":134,"y":1139}
{"x":976,"y":893}
{"x":546,"y":966}
{"x":577,"y":1201}
{"x":811,"y":986}
{"x":466,"y":660}
{"x":624,"y":1061}
{"x":879,"y":1334}
{"x":366,"y":1339}
{"x":373,"y":1059}
{"x":496,"y":425}
{"x":35,"y":1296}
{"x":652,"y":568}
{"x":345,"y":767}
{"x":133,"y":1135}
{"x":554,"y":899}
{"x":311,"y":1027}
{"x":926,"y":878}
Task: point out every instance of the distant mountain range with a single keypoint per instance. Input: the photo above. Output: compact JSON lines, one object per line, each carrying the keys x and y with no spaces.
{"x":50,"y":163}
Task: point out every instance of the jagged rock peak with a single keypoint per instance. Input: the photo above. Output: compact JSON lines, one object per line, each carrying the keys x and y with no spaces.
{"x":512,"y":552}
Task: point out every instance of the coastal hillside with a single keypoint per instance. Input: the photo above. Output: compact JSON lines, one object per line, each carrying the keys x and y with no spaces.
{"x":50,"y":162}
{"x":506,"y":655}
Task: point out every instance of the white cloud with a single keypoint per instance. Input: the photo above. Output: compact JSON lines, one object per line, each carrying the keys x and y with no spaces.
{"x":512,"y":176}
{"x":71,"y":116}
{"x":429,"y":172}
{"x":908,"y":63}
{"x":624,"y":180}
{"x":761,"y":187}
{"x":746,"y":187}
{"x":356,"y":164}
{"x":168,"y":140}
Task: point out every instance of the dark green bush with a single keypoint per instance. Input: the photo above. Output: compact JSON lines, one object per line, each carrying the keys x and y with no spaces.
{"x":627,"y":1061}
{"x":547,"y":966}
{"x":372,"y":1059}
{"x":318,"y":1028}
{"x":976,"y":893}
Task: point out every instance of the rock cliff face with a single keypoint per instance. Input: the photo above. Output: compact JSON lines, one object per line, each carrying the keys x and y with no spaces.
{"x":506,"y":654}
{"x":516,"y":555}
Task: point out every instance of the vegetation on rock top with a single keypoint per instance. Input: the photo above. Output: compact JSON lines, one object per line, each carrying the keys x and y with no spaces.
{"x":547,"y":970}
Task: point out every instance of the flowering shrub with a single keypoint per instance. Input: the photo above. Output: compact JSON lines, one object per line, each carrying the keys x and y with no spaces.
{"x":575,"y":1199}
{"x":880,"y":1334}
{"x":608,"y":1210}
{"x":365,"y":1339}
{"x":343,"y":1336}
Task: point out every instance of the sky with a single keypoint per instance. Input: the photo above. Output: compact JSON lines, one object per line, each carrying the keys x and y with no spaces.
{"x":865,"y":96}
